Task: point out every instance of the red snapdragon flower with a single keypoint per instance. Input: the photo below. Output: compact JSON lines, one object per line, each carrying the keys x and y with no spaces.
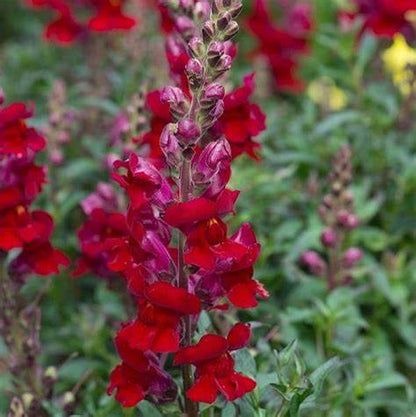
{"x":99,"y":227}
{"x":110,"y":17}
{"x":386,"y":17}
{"x":139,"y":376}
{"x":105,"y":16}
{"x":15,"y":136}
{"x":157,"y":325}
{"x":20,"y":182}
{"x":282,"y":45}
{"x":241,"y":120}
{"x":214,"y":364}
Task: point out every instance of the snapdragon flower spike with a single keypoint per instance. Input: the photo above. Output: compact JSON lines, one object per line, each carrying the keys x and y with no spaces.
{"x":215,"y":373}
{"x":337,"y":213}
{"x":67,"y":27}
{"x":20,"y":183}
{"x":173,"y":284}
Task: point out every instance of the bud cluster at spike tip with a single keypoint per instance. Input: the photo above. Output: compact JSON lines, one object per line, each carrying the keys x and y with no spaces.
{"x":282,"y":44}
{"x":67,"y":26}
{"x":21,"y":181}
{"x":218,"y":264}
{"x":337,"y":213}
{"x":231,"y":114}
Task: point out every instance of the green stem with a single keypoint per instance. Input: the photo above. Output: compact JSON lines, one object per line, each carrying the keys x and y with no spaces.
{"x":191,"y":408}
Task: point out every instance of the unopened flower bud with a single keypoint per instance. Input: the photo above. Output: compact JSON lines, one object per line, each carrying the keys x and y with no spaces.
{"x":215,"y":50}
{"x":51,"y":372}
{"x":214,"y":114}
{"x":208,"y":31}
{"x":235,"y":8}
{"x":328,"y":238}
{"x":211,"y":94}
{"x":185,"y":26}
{"x":223,"y":19}
{"x":230,"y":31}
{"x":217,"y":6}
{"x":2,"y":96}
{"x":194,"y":71}
{"x":351,"y":257}
{"x":223,"y":64}
{"x":197,"y":47}
{"x":175,"y":97}
{"x":188,"y":131}
{"x":314,"y":263}
{"x":348,"y":220}
{"x":201,"y":10}
{"x":210,"y":159}
{"x":170,"y":145}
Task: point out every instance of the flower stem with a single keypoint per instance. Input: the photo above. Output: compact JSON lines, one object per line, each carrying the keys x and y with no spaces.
{"x":191,"y":408}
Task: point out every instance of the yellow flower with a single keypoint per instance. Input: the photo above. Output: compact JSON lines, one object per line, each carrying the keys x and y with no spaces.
{"x":326,"y":94}
{"x":397,"y":60}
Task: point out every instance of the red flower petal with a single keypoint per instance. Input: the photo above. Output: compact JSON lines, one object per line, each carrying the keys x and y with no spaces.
{"x":173,"y":298}
{"x":238,"y":336}
{"x":209,"y":347}
{"x":204,"y":390}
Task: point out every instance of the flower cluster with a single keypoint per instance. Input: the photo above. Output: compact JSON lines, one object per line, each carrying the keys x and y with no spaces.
{"x":386,"y":17}
{"x":21,"y":182}
{"x":240,"y":121}
{"x":104,"y":16}
{"x":336,"y":211}
{"x":282,"y":45}
{"x":205,"y":267}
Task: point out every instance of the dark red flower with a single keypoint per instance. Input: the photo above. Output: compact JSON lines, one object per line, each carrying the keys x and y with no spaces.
{"x":157,"y":325}
{"x":110,"y":17}
{"x":214,"y":364}
{"x":386,"y":17}
{"x":63,"y":30}
{"x":138,"y":376}
{"x":241,"y":120}
{"x":282,"y":45}
{"x":92,"y":236}
{"x":15,"y":137}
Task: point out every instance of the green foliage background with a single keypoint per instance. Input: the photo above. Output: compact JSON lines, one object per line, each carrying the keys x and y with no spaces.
{"x":351,"y":352}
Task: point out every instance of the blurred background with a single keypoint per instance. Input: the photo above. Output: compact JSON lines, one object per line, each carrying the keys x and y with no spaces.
{"x":328,"y":73}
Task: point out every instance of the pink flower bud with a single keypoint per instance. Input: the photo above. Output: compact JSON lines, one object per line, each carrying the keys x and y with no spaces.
{"x":197,"y":47}
{"x":184,"y":26}
{"x":210,"y":159}
{"x":202,"y":10}
{"x":208,"y":31}
{"x":352,"y":222}
{"x":351,"y":257}
{"x":211,"y":94}
{"x":215,"y":50}
{"x":224,"y":63}
{"x":230,"y":31}
{"x":328,"y":238}
{"x":170,"y":145}
{"x":214,"y":114}
{"x":188,"y":130}
{"x":172,"y":95}
{"x":223,"y":19}
{"x":314,"y":263}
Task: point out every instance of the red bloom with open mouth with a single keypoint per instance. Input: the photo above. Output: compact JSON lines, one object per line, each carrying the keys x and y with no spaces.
{"x":214,"y":364}
{"x":20,"y":183}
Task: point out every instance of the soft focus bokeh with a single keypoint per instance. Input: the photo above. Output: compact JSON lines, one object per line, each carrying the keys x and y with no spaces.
{"x":329,"y":73}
